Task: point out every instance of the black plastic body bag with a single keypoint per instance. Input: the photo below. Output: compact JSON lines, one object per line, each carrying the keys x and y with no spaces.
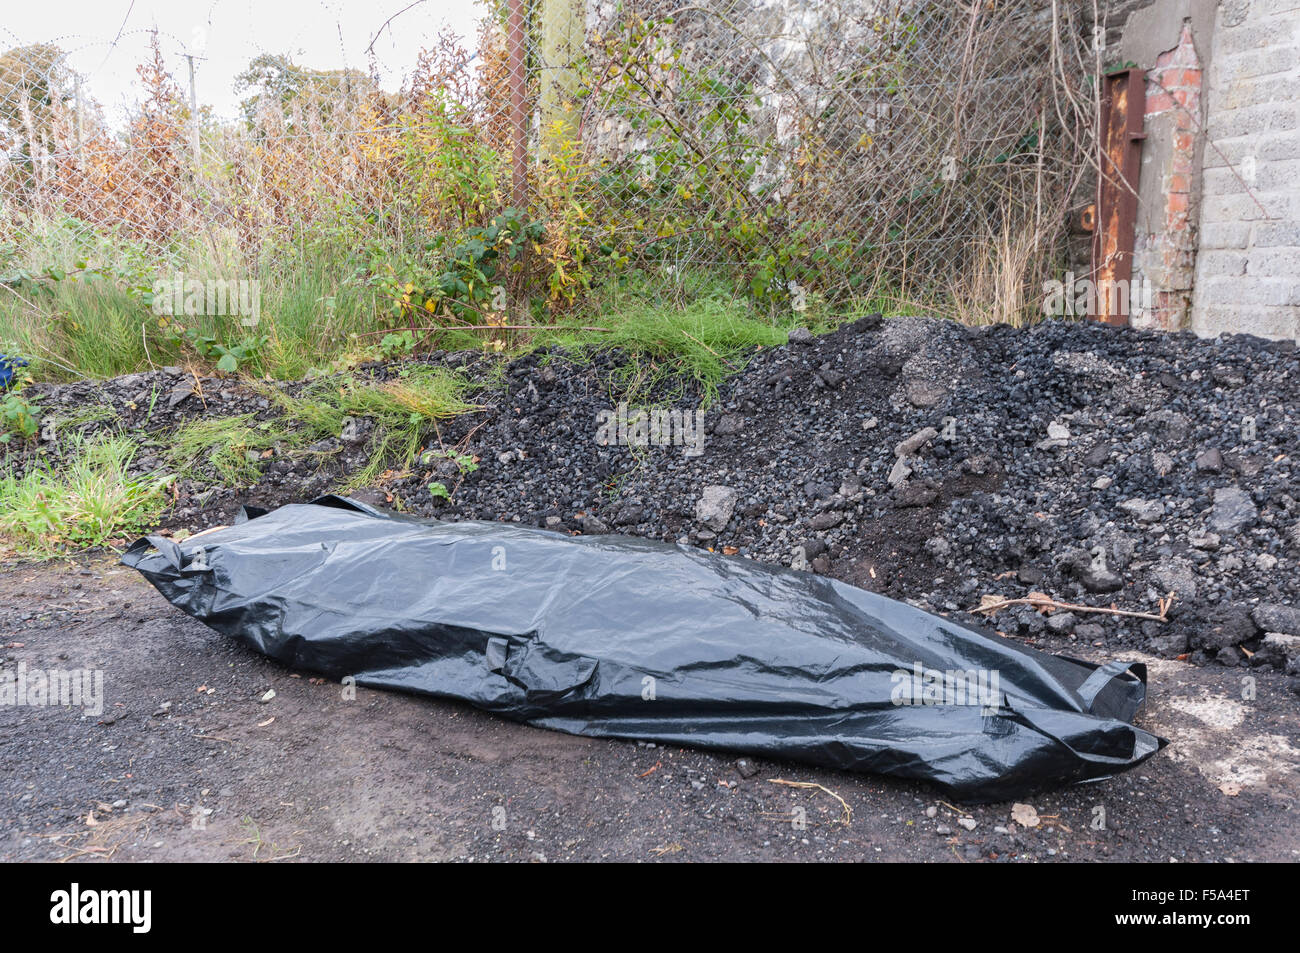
{"x":614,"y":636}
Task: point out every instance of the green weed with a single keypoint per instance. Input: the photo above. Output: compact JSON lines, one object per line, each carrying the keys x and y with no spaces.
{"x":85,"y":500}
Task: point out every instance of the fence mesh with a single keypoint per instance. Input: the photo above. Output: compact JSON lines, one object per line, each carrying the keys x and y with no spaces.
{"x":793,"y":154}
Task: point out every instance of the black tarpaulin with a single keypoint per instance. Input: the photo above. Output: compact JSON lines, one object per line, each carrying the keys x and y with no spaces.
{"x":613,"y":636}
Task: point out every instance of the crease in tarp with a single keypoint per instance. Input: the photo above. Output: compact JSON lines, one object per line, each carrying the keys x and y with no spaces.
{"x":618,"y":637}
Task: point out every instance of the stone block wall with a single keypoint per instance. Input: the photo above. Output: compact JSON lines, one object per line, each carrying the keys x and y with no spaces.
{"x":1248,"y":260}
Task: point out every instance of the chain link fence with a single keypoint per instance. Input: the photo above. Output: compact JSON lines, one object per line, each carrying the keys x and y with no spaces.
{"x":793,"y":155}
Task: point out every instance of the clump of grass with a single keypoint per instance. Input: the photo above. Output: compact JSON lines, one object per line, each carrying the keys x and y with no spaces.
{"x":84,"y":416}
{"x":402,"y":410}
{"x":85,"y":501}
{"x":225,"y":443}
{"x":311,"y":317}
{"x":90,"y":325}
{"x":706,"y":339}
{"x":315,"y":315}
{"x":90,"y":328}
{"x":418,"y":393}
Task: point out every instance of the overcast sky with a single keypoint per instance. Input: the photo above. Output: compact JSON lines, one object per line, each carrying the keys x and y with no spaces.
{"x":106,"y":39}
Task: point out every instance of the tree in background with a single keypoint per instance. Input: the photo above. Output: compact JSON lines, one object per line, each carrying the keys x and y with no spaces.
{"x":34,"y":81}
{"x":275,"y":79}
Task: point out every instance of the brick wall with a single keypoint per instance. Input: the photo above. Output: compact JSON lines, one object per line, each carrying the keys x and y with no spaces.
{"x":1247,"y":276}
{"x":1165,"y":240}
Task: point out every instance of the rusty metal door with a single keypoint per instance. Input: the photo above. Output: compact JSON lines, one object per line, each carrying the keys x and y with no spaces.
{"x":1123,"y":108}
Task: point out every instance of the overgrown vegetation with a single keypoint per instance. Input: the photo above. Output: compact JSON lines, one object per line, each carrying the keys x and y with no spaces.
{"x":402,"y":411}
{"x":88,"y":498}
{"x":687,"y":196}
{"x":230,"y":446}
{"x":705,"y":336}
{"x":399,"y":414}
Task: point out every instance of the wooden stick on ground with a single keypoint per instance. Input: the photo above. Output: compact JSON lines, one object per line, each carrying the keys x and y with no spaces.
{"x":848,"y":811}
{"x":1039,"y":602}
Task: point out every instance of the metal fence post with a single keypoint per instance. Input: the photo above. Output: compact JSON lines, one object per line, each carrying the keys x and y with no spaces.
{"x":81,"y":129}
{"x":194,"y":115}
{"x":518,"y":118}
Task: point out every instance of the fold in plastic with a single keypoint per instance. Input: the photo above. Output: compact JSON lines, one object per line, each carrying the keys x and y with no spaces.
{"x":613,"y":636}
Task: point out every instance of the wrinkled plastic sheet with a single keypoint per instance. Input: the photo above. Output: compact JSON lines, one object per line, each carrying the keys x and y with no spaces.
{"x":614,"y":636}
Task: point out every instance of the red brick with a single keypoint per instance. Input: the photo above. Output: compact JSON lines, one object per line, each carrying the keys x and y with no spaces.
{"x":1181,"y":79}
{"x":1186,"y":51}
{"x":1158,"y":102}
